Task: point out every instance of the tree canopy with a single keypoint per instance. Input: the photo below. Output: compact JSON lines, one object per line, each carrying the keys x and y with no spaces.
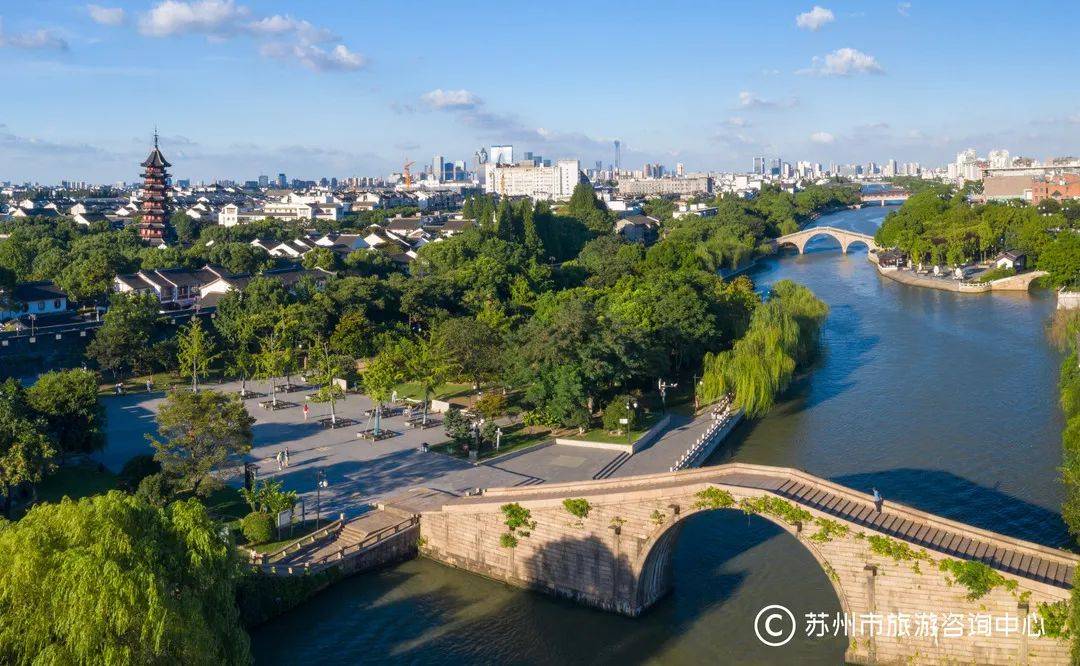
{"x":110,"y":579}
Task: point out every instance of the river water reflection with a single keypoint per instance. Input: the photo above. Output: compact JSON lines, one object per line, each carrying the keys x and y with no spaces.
{"x":943,"y":401}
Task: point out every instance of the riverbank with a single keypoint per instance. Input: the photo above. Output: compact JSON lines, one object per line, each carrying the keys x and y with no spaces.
{"x":1020,"y":282}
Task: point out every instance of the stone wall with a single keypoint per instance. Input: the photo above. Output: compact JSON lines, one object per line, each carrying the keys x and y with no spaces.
{"x":619,"y":559}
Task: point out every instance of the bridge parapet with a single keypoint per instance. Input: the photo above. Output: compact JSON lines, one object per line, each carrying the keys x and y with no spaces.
{"x":618,"y":557}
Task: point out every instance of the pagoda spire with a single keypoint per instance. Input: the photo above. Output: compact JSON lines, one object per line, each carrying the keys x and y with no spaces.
{"x":154,"y":226}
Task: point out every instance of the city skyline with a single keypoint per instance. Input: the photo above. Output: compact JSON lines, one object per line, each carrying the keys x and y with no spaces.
{"x":240,"y":89}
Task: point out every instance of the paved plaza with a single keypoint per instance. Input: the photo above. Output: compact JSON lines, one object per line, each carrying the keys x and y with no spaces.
{"x":359,"y":471}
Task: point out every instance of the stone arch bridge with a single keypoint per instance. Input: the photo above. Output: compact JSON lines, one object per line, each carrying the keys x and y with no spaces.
{"x":881,"y":563}
{"x":845,"y":237}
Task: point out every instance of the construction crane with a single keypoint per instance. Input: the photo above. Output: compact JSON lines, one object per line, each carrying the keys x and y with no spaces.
{"x":405,"y":172}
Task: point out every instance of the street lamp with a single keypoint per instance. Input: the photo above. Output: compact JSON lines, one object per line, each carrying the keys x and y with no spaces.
{"x":629,"y":416}
{"x":498,"y":438}
{"x":33,"y":319}
{"x":664,"y":386}
{"x":320,"y":483}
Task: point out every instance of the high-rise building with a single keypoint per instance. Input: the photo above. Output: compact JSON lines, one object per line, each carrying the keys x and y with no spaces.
{"x":281,"y":182}
{"x":680,"y":170}
{"x":530,"y":180}
{"x":759,"y":166}
{"x":999,"y":159}
{"x":437,"y":163}
{"x":153,"y":226}
{"x":264,"y":181}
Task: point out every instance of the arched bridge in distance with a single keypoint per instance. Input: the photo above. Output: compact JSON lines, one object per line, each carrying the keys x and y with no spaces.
{"x":894,"y":562}
{"x":845,"y":237}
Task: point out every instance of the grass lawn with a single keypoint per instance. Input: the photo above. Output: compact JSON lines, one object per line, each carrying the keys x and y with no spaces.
{"x":76,"y":483}
{"x":165,"y":380}
{"x":517,"y":436}
{"x":226,"y":504}
{"x":602,"y":435}
{"x":450,"y":390}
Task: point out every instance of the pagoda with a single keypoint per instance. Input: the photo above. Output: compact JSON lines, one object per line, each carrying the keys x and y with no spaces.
{"x":154,"y":226}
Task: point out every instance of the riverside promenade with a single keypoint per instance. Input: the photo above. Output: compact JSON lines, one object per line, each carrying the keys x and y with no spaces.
{"x":360,"y":473}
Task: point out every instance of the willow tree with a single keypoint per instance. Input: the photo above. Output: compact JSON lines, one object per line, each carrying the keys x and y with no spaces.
{"x":783,"y":334}
{"x":111,"y":579}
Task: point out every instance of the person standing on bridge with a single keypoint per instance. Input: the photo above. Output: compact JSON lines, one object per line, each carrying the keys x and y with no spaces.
{"x":878,"y":501}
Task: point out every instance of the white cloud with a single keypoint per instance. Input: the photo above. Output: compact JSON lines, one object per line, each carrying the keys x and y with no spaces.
{"x":208,"y":17}
{"x":337,"y":59}
{"x":903,"y":8}
{"x":822,"y":137}
{"x":287,"y":38}
{"x":39,"y":40}
{"x":844,"y":62}
{"x":736,"y":121}
{"x":106,"y":15}
{"x":277,"y":25}
{"x":450,"y":99}
{"x":814,"y":19}
{"x":751,"y":100}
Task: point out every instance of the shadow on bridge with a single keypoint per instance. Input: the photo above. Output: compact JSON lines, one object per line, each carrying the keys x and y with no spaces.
{"x":951,"y":496}
{"x":423,"y":612}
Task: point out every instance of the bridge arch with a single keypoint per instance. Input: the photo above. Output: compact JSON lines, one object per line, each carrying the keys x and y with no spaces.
{"x":844,"y":237}
{"x":881,"y":560}
{"x":653,"y":573}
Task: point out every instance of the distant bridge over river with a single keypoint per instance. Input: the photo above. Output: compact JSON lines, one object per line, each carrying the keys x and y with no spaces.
{"x":845,"y":237}
{"x":883,"y":197}
{"x":888,"y":560}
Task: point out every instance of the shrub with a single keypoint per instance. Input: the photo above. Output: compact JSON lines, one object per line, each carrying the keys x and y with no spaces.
{"x":898,"y":550}
{"x":578,"y":507}
{"x":713,"y":498}
{"x":508,"y":540}
{"x":157,"y":489}
{"x":257,"y":527}
{"x":776,"y":507}
{"x":137,"y":469}
{"x":996,"y":274}
{"x":491,"y":405}
{"x":615,"y":411}
{"x":977,"y":577}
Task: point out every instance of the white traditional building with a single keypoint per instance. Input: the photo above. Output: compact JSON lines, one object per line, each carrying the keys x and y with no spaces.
{"x":291,"y":207}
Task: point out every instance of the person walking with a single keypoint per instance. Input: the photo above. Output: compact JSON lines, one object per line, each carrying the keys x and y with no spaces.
{"x":149,"y":385}
{"x":878,"y":501}
{"x":306,"y":410}
{"x":280,"y":457}
{"x":286,"y":456}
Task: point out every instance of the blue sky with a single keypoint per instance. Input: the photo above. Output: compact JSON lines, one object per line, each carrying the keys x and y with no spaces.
{"x":322,"y":87}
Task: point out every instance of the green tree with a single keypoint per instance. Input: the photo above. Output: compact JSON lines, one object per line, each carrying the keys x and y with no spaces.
{"x":120,"y":345}
{"x":195,"y":352}
{"x":381,"y":375}
{"x":26,"y":454}
{"x":326,"y":369}
{"x":1061,"y":259}
{"x":74,"y":416}
{"x":321,"y":257}
{"x":200,"y":432}
{"x":426,"y":365}
{"x":113,"y":580}
{"x":473,"y":349}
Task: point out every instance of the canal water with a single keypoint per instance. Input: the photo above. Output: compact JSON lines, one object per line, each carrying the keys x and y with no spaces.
{"x":943,"y":401}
